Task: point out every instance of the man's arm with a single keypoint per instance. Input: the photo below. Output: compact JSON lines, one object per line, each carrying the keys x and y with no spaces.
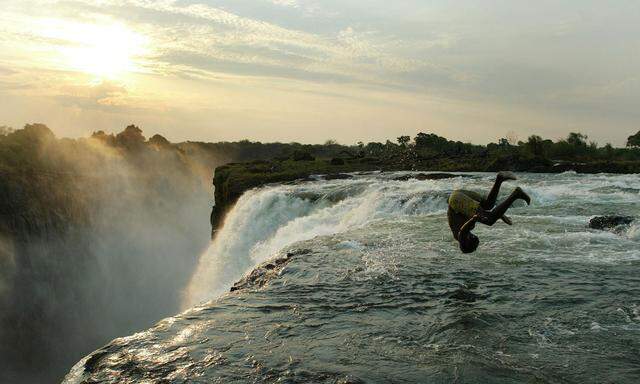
{"x":466,"y":227}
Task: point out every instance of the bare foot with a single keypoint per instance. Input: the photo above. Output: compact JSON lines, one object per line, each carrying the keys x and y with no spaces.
{"x":523,"y":195}
{"x":507,"y":175}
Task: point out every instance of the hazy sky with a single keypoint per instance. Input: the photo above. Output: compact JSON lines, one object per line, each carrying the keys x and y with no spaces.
{"x":311,"y":70}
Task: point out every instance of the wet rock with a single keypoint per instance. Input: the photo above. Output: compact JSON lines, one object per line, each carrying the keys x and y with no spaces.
{"x":337,"y":176}
{"x":609,"y":222}
{"x":92,"y":363}
{"x":298,"y":252}
{"x":429,"y":176}
{"x":263,"y":273}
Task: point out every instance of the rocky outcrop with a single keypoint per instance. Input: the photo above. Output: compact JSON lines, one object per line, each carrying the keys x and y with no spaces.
{"x":429,"y":176}
{"x":262,"y":274}
{"x":337,"y":176}
{"x":610,"y":222}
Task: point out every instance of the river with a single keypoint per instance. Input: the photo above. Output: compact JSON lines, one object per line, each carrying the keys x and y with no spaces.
{"x":360,"y":281}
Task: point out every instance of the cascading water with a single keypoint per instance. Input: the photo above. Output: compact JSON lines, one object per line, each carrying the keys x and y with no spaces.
{"x":266,"y":220}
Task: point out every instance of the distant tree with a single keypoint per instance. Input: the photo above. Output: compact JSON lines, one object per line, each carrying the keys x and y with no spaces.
{"x":608,"y":150}
{"x":634,"y":140}
{"x":108,"y":139}
{"x":577,"y":139}
{"x":5,"y":130}
{"x":130,"y":138}
{"x":504,"y":143}
{"x":391,"y":148}
{"x":374,"y":149}
{"x":431,"y":141}
{"x":422,"y":140}
{"x":330,"y":142}
{"x":159,"y":141}
{"x":575,"y":145}
{"x":36,"y":132}
{"x":404,"y":140}
{"x":534,"y":145}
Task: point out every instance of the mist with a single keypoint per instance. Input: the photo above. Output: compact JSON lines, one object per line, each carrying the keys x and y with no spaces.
{"x":100,"y":242}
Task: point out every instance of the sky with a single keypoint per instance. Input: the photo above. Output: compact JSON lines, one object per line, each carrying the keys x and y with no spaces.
{"x":311,"y":70}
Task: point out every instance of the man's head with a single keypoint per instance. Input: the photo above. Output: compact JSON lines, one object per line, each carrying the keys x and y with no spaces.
{"x":469,"y":243}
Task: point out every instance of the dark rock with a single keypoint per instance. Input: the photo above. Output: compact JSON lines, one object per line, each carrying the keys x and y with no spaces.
{"x":92,"y":363}
{"x":337,"y":176}
{"x":265,"y":272}
{"x":608,"y":222}
{"x":404,"y":178}
{"x":337,"y":161}
{"x":429,"y":176}
{"x":298,"y":252}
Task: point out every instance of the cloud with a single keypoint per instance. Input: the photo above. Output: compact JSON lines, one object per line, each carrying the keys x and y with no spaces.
{"x":549,"y":58}
{"x":7,"y":71}
{"x":286,"y":3}
{"x":205,"y":30}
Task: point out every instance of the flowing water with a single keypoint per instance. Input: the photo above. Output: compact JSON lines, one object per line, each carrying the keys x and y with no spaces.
{"x":360,"y":281}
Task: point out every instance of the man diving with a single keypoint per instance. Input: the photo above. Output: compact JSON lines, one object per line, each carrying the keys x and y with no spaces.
{"x":468,"y":207}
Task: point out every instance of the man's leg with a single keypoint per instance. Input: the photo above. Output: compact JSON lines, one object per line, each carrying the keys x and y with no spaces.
{"x":490,"y":217}
{"x":490,"y":201}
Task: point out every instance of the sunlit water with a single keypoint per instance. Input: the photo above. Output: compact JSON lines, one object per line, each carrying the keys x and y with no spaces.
{"x":376,"y":291}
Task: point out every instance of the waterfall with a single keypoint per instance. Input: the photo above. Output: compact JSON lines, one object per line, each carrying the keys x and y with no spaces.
{"x":266,"y":220}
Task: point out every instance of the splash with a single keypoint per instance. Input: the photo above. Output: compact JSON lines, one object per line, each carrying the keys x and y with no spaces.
{"x":265,"y":221}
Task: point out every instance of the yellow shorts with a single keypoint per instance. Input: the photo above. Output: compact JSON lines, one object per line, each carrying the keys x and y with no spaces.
{"x":465,"y":203}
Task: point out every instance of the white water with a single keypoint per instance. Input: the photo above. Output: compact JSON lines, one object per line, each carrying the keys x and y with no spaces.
{"x":267,"y":220}
{"x":264,"y":221}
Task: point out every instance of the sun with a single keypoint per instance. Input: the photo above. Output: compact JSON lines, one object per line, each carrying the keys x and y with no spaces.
{"x":101,"y":50}
{"x":107,"y":52}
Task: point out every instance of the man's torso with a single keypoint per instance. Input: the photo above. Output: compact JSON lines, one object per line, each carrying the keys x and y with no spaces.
{"x":463,"y":205}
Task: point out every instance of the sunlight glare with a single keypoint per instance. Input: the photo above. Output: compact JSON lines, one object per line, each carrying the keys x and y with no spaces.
{"x":106,"y":51}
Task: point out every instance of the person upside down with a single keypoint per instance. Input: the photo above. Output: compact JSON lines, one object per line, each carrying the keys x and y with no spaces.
{"x":466,"y":208}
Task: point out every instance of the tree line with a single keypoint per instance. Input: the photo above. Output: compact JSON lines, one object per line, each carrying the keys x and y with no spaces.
{"x":16,"y":147}
{"x":575,"y":147}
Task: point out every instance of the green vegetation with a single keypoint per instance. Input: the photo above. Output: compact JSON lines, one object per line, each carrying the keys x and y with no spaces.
{"x":633,"y":140}
{"x":30,"y":153}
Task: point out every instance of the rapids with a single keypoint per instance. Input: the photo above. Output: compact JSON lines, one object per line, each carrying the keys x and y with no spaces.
{"x":359,"y":281}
